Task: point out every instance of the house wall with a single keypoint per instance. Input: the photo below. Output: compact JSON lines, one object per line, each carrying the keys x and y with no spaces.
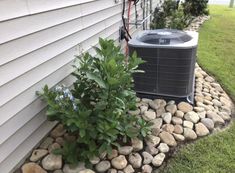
{"x":38,"y":41}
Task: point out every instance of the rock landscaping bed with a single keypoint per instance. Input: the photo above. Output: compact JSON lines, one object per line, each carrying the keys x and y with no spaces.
{"x":173,"y":124}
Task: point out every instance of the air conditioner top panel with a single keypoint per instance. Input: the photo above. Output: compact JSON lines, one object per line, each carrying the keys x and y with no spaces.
{"x":165,"y":38}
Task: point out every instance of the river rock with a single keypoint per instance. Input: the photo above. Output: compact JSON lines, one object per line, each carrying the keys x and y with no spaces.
{"x":167,"y":138}
{"x":52,"y":162}
{"x":201,"y":129}
{"x":192,"y":116}
{"x":179,"y":137}
{"x":38,"y":154}
{"x":125,"y":150}
{"x":178,"y":129}
{"x":177,"y":120}
{"x":167,"y":117}
{"x":32,"y":168}
{"x":185,"y":107}
{"x":152,"y":140}
{"x":128,"y":169}
{"x":58,"y":131}
{"x":135,"y":160}
{"x":157,"y":123}
{"x":137,"y":144}
{"x":188,"y":124}
{"x":179,"y":114}
{"x":163,"y":148}
{"x":172,"y":108}
{"x":147,"y":158}
{"x":113,"y":154}
{"x":209,"y":123}
{"x":151,"y":149}
{"x":149,"y":115}
{"x":74,"y":168}
{"x":146,"y":169}
{"x":216,"y":118}
{"x":94,"y":160}
{"x":158,"y":159}
{"x":103,"y":166}
{"x":86,"y":171}
{"x":189,"y":134}
{"x":119,"y":162}
{"x":45,"y":144}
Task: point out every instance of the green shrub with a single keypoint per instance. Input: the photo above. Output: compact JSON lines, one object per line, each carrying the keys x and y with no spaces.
{"x":96,"y":109}
{"x":195,"y":7}
{"x":170,"y":17}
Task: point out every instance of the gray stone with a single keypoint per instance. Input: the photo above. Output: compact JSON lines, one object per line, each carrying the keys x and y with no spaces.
{"x":179,"y":114}
{"x":224,"y":115}
{"x":147,"y":158}
{"x":157,"y":123}
{"x":134,"y":112}
{"x":201,"y":130}
{"x":192,"y":116}
{"x":154,"y":105}
{"x":155,"y":131}
{"x":151,"y":149}
{"x":177,"y":120}
{"x":216,"y":102}
{"x":147,"y":169}
{"x":167,"y":117}
{"x":172,"y":108}
{"x":135,"y":160}
{"x":152,"y":140}
{"x":167,"y":138}
{"x":143,"y":109}
{"x":38,"y":154}
{"x":45,"y":144}
{"x":125,"y":150}
{"x":113,"y":154}
{"x":119,"y":162}
{"x":202,"y":114}
{"x":158,"y":159}
{"x":137,"y":144}
{"x":53,"y":146}
{"x":32,"y":168}
{"x":149,"y":115}
{"x":52,"y":162}
{"x":209,"y":123}
{"x":163,"y":148}
{"x":86,"y":171}
{"x":189,"y":134}
{"x":94,"y":160}
{"x":103,"y":166}
{"x":74,"y":168}
{"x":216,"y":118}
{"x":128,"y":169}
{"x":199,"y":109}
{"x":184,"y":107}
{"x":160,"y":111}
{"x":178,"y":137}
{"x":168,"y":128}
{"x":58,"y":131}
{"x":178,"y":129}
{"x":112,"y":171}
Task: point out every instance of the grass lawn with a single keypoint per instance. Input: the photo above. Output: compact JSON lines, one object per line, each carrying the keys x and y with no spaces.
{"x":215,"y":153}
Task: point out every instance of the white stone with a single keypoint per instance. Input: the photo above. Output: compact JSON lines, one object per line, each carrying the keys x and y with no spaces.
{"x":119,"y":162}
{"x":167,"y":117}
{"x":147,"y":158}
{"x":52,"y":162}
{"x":158,"y":159}
{"x":192,"y":116}
{"x":163,"y":148}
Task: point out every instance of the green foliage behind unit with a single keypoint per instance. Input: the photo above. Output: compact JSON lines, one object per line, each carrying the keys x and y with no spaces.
{"x":96,"y":109}
{"x":195,"y":7}
{"x":170,"y":17}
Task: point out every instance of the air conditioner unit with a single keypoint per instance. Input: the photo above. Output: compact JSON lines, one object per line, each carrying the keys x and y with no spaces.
{"x":170,"y":57}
